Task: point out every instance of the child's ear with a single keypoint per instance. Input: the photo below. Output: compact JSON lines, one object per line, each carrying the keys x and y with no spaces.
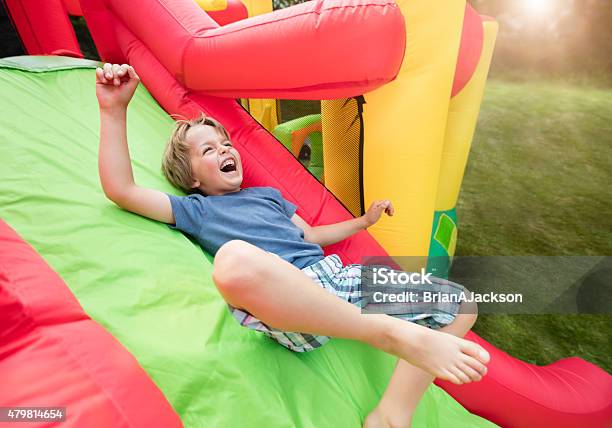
{"x":195,"y":184}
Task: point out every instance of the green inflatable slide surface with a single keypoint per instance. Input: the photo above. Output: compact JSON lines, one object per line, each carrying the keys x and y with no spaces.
{"x":151,"y":286}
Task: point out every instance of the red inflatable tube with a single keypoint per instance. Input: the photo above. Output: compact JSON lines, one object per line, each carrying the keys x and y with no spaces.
{"x":569,"y":393}
{"x":44,"y":27}
{"x":315,"y":50}
{"x":73,"y":7}
{"x":101,"y":27}
{"x":470,"y":49}
{"x":59,"y":357}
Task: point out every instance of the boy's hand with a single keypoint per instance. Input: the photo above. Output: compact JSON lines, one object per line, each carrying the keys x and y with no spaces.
{"x":376,"y":210}
{"x":115,"y":85}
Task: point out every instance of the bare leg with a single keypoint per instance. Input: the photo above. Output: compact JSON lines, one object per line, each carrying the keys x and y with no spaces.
{"x":408,"y":383}
{"x":283,"y":297}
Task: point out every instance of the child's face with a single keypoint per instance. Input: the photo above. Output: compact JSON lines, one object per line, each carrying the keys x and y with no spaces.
{"x":215,"y":164}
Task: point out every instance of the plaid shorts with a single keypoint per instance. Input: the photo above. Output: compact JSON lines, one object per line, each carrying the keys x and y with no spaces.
{"x":345,"y":282}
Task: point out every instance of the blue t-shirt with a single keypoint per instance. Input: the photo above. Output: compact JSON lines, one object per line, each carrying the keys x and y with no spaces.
{"x":258,"y":215}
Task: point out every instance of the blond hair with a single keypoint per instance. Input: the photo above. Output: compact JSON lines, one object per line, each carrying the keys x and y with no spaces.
{"x":176,"y":163}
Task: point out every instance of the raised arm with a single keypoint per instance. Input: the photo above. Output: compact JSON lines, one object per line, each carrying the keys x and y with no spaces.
{"x":331,"y":233}
{"x":115,"y":86}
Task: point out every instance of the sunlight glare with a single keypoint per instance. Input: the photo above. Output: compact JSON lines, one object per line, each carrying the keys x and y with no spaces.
{"x":537,"y":7}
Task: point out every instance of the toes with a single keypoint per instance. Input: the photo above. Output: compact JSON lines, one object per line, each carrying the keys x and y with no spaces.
{"x":476,"y":351}
{"x":475,"y":364}
{"x":472,"y":374}
{"x":451,"y":377}
{"x":463,"y":377}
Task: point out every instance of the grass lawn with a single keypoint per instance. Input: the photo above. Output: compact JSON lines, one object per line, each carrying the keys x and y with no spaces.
{"x":539,"y":182}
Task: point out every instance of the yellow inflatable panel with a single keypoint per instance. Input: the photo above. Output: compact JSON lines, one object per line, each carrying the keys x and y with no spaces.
{"x":341,"y":139}
{"x":257,"y":7}
{"x":403,"y":144}
{"x":212,"y":5}
{"x":461,"y":123}
{"x":265,"y":111}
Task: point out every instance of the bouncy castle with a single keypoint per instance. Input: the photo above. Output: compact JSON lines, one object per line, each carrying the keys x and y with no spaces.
{"x":115,"y":317}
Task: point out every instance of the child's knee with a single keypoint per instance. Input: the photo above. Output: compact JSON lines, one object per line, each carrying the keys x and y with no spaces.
{"x":231,"y":268}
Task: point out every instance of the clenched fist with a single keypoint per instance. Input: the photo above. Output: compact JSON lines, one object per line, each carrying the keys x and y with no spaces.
{"x":115,"y":85}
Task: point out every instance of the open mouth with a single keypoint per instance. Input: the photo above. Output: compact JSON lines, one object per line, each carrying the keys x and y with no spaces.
{"x":228,"y":165}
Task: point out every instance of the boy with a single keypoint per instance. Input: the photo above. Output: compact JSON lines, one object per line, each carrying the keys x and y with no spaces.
{"x":269,"y":261}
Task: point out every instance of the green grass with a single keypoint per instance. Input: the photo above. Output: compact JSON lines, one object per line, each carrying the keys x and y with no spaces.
{"x":539,"y":182}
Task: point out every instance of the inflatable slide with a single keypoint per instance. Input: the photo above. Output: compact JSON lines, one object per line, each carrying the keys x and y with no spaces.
{"x":149,"y":287}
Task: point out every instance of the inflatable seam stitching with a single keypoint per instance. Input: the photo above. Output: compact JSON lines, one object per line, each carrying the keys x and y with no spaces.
{"x":204,"y":36}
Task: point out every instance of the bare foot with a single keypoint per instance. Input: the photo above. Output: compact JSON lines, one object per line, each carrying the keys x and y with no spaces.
{"x":441,"y":354}
{"x":377,"y":419}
